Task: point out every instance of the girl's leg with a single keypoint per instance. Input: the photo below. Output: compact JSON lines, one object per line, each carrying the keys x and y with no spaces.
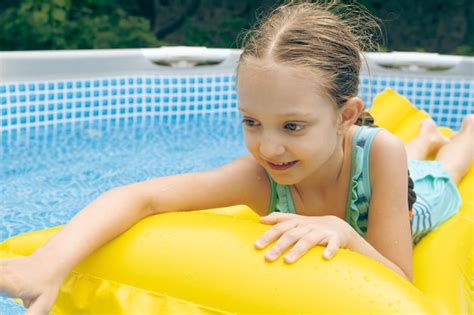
{"x":427,"y":142}
{"x":457,"y":156}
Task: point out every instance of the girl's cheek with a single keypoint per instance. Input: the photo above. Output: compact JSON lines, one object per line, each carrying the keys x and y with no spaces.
{"x":253,"y":149}
{"x":251,"y":142}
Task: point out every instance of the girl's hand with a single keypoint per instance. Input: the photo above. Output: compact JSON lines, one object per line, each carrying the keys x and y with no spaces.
{"x":306,"y":232}
{"x":32,"y":280}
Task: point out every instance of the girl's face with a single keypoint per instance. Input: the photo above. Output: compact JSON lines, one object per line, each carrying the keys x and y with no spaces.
{"x":286,"y":120}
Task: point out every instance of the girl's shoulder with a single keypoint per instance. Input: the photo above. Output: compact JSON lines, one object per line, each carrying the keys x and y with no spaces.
{"x":385,"y":143}
{"x":374,"y":152}
{"x":387,"y":156}
{"x":375,"y":139}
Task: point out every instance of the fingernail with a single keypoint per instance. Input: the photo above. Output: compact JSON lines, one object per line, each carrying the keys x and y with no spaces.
{"x":271,"y":256}
{"x":259,"y":244}
{"x":290,"y":258}
{"x":327,"y":254}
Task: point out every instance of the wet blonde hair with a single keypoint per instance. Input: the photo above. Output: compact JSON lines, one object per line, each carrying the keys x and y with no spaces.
{"x":312,"y":36}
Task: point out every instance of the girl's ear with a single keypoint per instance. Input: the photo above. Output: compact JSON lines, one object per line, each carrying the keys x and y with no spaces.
{"x":349,"y":113}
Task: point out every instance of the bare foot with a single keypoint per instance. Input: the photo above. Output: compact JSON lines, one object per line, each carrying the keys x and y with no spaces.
{"x":467,"y":130}
{"x":430,"y":136}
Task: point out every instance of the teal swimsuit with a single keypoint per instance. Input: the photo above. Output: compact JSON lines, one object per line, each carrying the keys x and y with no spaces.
{"x":437,"y":196}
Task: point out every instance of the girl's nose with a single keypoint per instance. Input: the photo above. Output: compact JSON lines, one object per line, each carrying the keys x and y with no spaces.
{"x":271,"y":149}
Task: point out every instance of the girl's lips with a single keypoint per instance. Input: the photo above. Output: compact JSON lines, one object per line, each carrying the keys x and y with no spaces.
{"x":281,"y":167}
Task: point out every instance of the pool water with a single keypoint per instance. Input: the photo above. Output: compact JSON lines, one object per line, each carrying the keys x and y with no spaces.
{"x":46,"y":178}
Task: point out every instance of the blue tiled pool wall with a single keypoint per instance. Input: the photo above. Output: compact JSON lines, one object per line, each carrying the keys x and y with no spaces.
{"x":29,"y":107}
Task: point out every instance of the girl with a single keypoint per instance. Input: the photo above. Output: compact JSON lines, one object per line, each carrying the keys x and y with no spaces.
{"x":342,"y":185}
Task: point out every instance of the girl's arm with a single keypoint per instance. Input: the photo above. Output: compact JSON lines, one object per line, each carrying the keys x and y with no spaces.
{"x":117,"y":210}
{"x":360,"y":245}
{"x":36,"y":279}
{"x":389,"y":238}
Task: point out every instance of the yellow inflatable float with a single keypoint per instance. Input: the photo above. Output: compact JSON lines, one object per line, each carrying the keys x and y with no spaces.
{"x":204,"y":262}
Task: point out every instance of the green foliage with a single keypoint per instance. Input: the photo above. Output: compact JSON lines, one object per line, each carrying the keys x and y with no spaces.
{"x":441,"y":26}
{"x":463,"y":50}
{"x":57,"y":24}
{"x":220,"y":34}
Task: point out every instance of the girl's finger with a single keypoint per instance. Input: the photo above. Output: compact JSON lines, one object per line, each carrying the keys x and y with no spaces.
{"x":332,"y":247}
{"x":276,"y":217}
{"x":274,"y":233}
{"x":286,"y":240}
{"x":42,"y":304}
{"x":27,"y":302}
{"x":307,"y":242}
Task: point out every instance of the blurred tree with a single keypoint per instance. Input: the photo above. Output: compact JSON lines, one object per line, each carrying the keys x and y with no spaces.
{"x":63,"y":24}
{"x":435,"y":25}
{"x":432,"y":25}
{"x":211,"y":23}
{"x":222,"y":34}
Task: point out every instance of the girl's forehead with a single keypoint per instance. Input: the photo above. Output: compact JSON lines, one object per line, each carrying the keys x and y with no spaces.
{"x":258,"y":69}
{"x":278,"y":86}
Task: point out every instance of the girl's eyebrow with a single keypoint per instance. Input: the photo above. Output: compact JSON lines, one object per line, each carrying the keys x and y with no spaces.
{"x":242,"y":110}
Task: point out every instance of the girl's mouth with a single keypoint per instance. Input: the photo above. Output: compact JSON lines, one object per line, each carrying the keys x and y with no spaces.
{"x":281,"y":166}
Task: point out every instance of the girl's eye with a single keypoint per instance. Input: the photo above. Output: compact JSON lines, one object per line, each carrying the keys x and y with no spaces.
{"x":249,"y":122}
{"x":294,"y":127}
